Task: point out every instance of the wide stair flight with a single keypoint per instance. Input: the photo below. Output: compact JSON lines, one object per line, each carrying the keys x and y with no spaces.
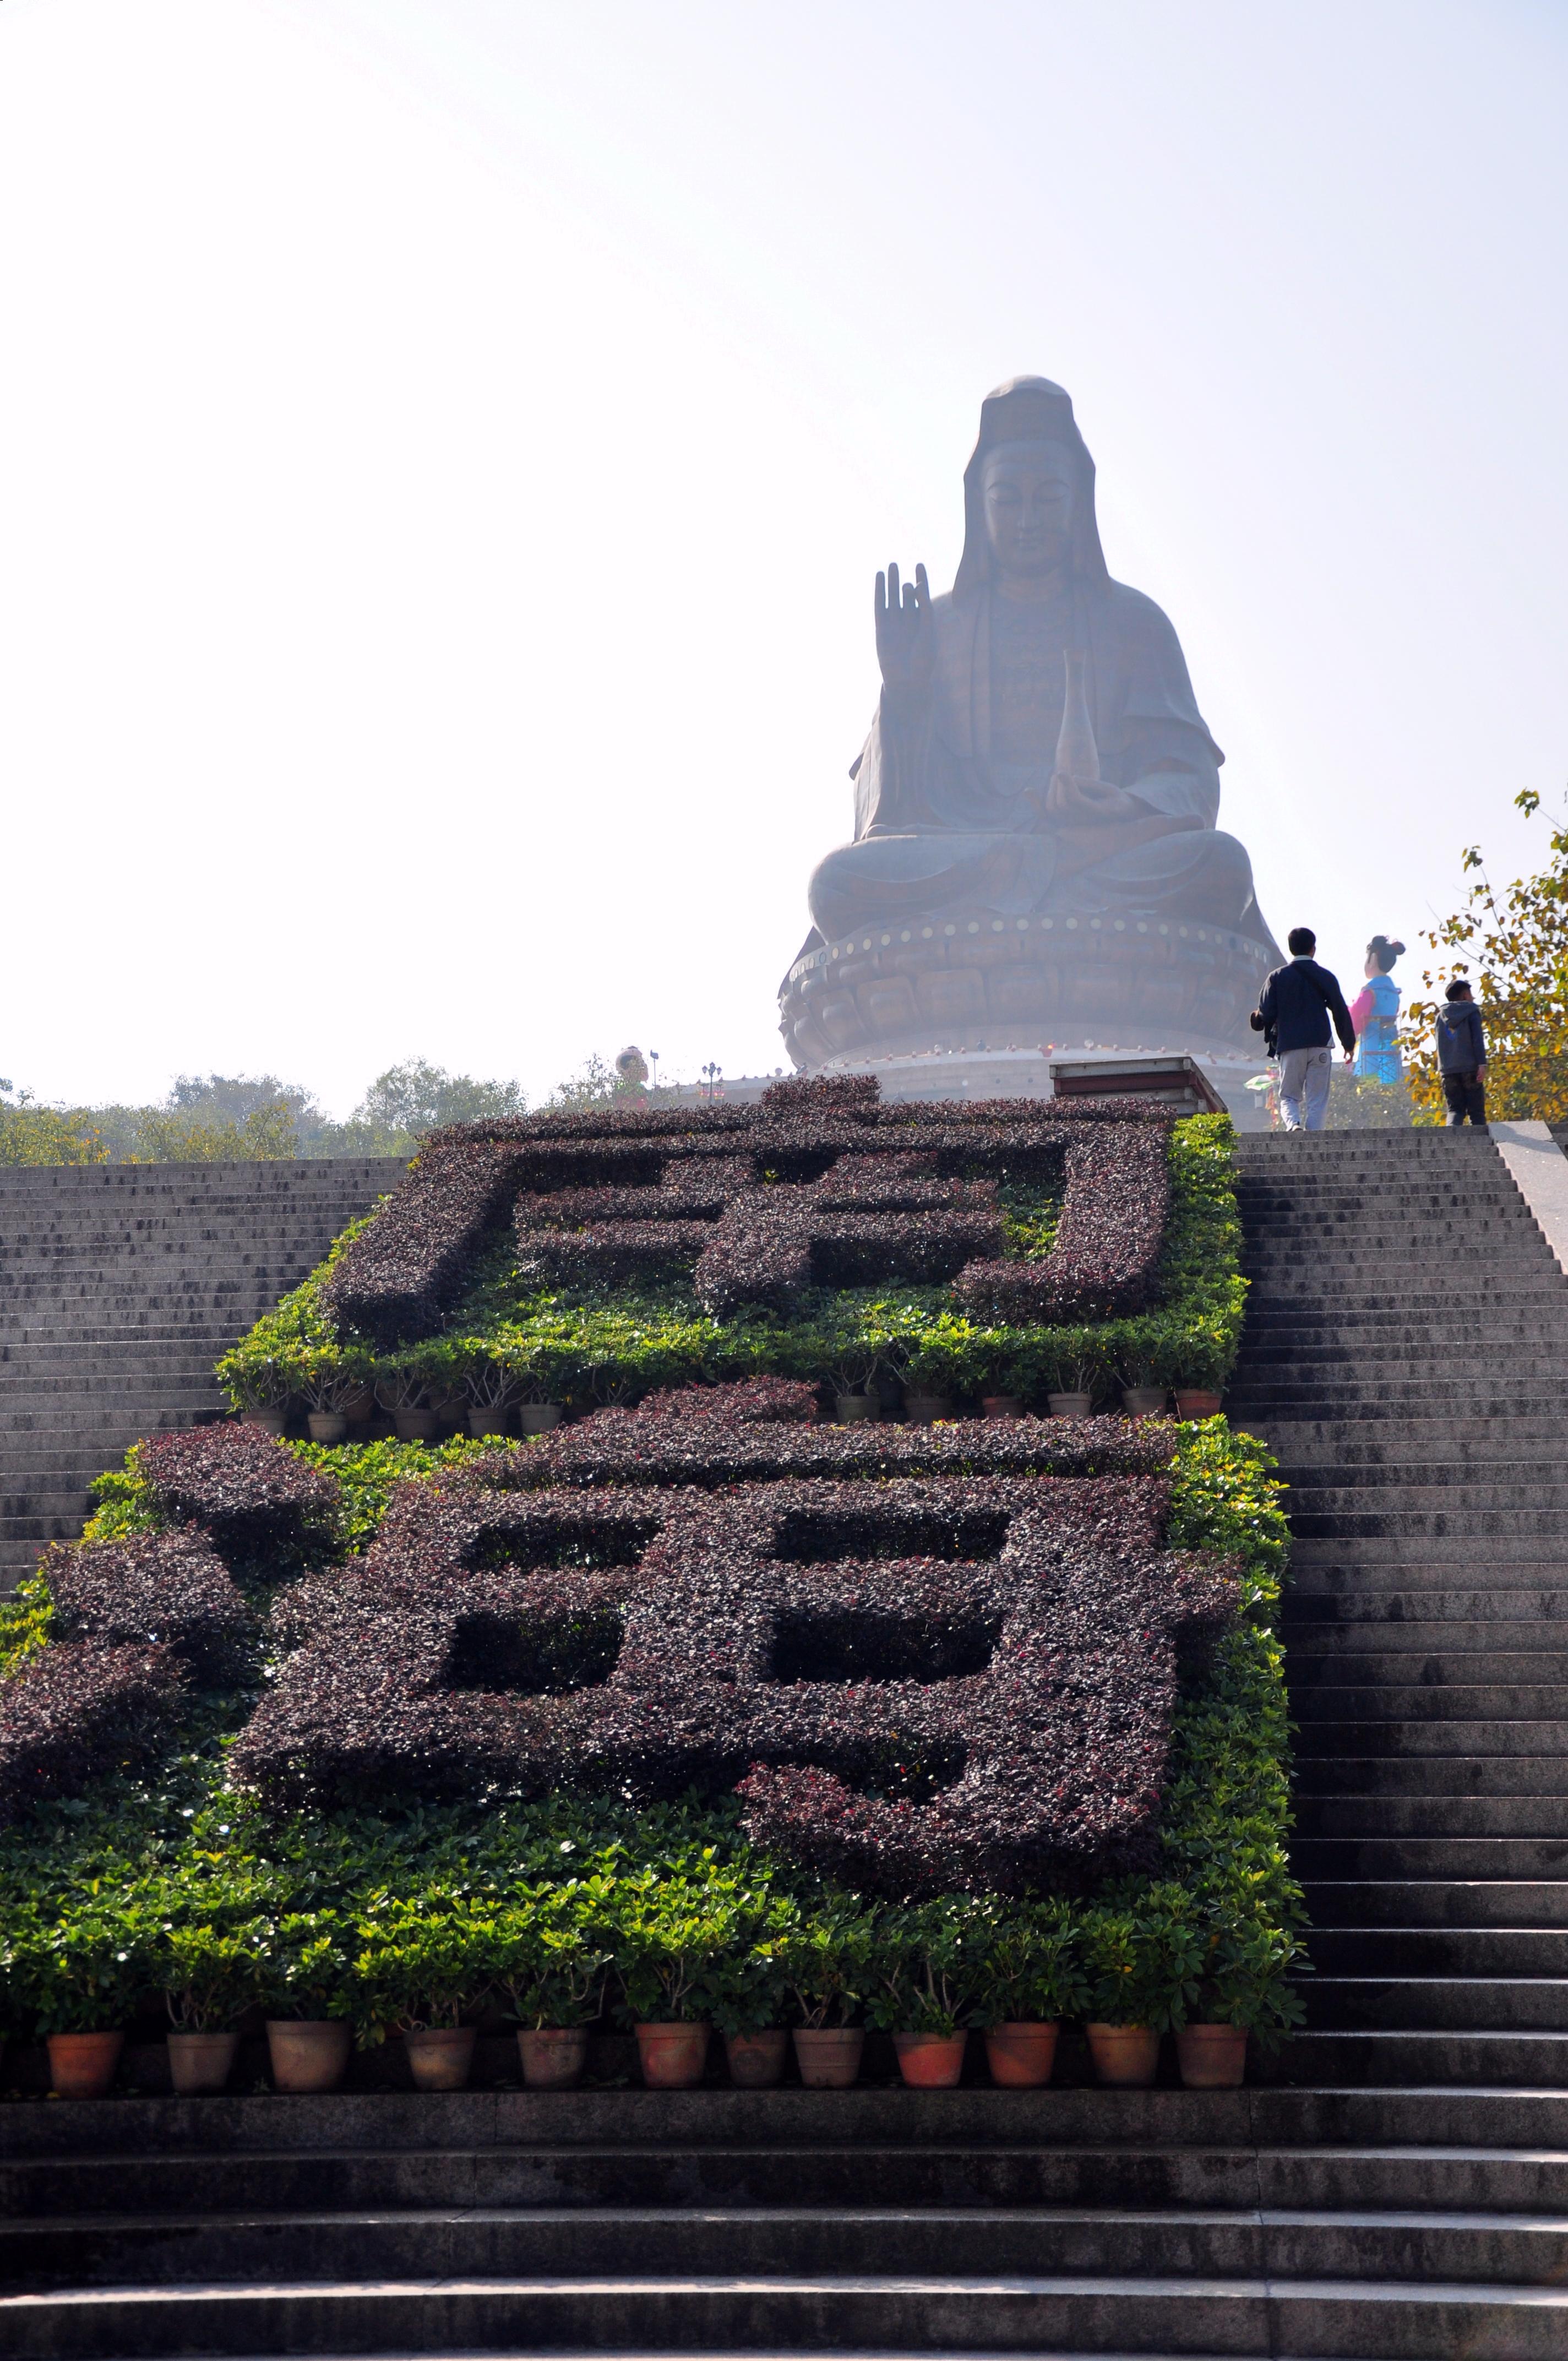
{"x":1397,"y":2185}
{"x":120,"y":1285}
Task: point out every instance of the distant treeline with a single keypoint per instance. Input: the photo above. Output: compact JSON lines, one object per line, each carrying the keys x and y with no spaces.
{"x":214,"y":1118}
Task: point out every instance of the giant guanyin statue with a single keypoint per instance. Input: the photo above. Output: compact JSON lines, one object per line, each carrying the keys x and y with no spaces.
{"x":1036,"y":855}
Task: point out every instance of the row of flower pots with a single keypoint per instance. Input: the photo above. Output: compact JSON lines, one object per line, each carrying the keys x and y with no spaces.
{"x":1137,"y":1401}
{"x":313,"y":2057}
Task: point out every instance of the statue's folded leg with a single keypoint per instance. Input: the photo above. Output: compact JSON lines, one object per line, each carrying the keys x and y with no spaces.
{"x":1199,"y":873}
{"x":881,"y":880}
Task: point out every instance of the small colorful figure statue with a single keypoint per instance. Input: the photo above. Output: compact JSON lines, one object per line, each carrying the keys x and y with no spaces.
{"x":1375,"y":1013}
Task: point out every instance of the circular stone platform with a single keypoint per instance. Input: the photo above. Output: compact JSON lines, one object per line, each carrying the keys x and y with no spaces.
{"x":971,"y":982}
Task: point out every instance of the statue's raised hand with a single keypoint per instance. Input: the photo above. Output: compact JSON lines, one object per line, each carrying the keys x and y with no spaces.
{"x":904,"y":637}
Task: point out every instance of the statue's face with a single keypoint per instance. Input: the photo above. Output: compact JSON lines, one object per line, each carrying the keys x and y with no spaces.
{"x":1027,"y":488}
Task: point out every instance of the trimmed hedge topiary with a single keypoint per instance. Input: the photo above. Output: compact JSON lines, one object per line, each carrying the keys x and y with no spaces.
{"x":77,"y":1709}
{"x":241,"y":1485}
{"x":169,"y":1588}
{"x":816,"y":1185}
{"x":936,"y":1684}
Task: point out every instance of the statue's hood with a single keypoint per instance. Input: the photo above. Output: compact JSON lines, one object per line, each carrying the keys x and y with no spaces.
{"x":1030,"y":410}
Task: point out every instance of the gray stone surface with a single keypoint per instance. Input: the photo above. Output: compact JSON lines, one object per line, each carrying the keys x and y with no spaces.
{"x":1035,"y":850}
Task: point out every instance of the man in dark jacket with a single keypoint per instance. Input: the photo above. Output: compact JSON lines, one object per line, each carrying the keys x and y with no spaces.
{"x":1293,"y":1015}
{"x":1462,"y":1056}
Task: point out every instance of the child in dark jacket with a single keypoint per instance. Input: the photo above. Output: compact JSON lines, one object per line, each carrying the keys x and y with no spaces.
{"x":1462,"y":1056}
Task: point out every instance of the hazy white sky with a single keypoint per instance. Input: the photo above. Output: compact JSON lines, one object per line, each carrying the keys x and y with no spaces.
{"x":446,"y":446}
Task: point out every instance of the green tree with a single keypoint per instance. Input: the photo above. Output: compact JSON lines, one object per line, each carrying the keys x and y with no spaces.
{"x":30,"y":1134}
{"x":1512,"y":943}
{"x":415,"y":1097}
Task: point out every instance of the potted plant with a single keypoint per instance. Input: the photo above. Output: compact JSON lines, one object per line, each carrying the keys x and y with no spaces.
{"x":1195,"y":1361}
{"x":329,"y":1379}
{"x":925,"y":1970}
{"x":419,"y":1967}
{"x":669,"y":1937}
{"x":854,"y":1382}
{"x":1144,"y":1386}
{"x":551,"y":1965}
{"x":302,"y":1973}
{"x":826,"y":1959}
{"x":1030,"y":1975}
{"x":258,"y":1387}
{"x":1241,"y":1987}
{"x":80,"y":1980}
{"x":209,"y":1977}
{"x":490,"y":1388}
{"x":1139,"y":1958}
{"x":747,"y":1994}
{"x":1075,"y":1366}
{"x":400,"y":1391}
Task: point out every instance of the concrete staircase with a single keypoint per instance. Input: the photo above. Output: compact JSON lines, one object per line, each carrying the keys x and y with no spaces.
{"x":1397,"y":2185}
{"x":120,"y":1284}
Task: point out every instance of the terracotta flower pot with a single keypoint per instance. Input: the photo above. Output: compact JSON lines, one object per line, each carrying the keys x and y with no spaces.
{"x":1002,"y":1405}
{"x":1196,"y":1402}
{"x":924,"y":1409}
{"x":1212,"y":2056}
{"x":828,"y":2055}
{"x":553,"y":2056}
{"x":414,"y":1425}
{"x":1021,"y":2056}
{"x":931,"y":2062}
{"x":1143,"y":1401}
{"x":851,"y":1409}
{"x":482,"y":1423}
{"x":1126,"y":2056}
{"x":672,"y":2055}
{"x":270,"y":1421}
{"x":538,"y":1418}
{"x":307,"y":2054}
{"x":359,"y":1408}
{"x":756,"y":2060}
{"x":327,"y":1425}
{"x":200,"y":2061}
{"x":1069,"y":1405}
{"x":442,"y":2058}
{"x":82,"y":2065}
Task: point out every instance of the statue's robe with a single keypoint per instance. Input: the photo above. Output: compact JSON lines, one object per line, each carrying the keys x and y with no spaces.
{"x":949,"y":789}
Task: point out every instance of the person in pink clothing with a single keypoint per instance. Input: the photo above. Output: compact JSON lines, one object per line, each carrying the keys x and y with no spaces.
{"x":1375,"y":1013}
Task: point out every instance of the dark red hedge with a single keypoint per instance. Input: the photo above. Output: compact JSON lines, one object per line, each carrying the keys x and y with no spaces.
{"x":720,"y":1445}
{"x":249,"y":1492}
{"x":920,"y":1682}
{"x":818,"y":1183}
{"x":77,"y":1709}
{"x":169,"y":1589}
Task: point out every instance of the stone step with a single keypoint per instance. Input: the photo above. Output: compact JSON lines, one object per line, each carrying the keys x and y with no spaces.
{"x":1433,"y":2003}
{"x":1395,"y":1673}
{"x":1241,"y":2175}
{"x":1340,"y":1703}
{"x":1323,"y":1613}
{"x":1438,"y":1901}
{"x":1376,"y":1857}
{"x":584,"y":2241}
{"x":866,"y":2314}
{"x":1465,"y":2062}
{"x":1434,"y":1774}
{"x":1357,"y":1813}
{"x":1385,"y":1949}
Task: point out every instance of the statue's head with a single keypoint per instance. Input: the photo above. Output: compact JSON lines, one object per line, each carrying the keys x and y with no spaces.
{"x":1029,"y":490}
{"x":1026,"y":494}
